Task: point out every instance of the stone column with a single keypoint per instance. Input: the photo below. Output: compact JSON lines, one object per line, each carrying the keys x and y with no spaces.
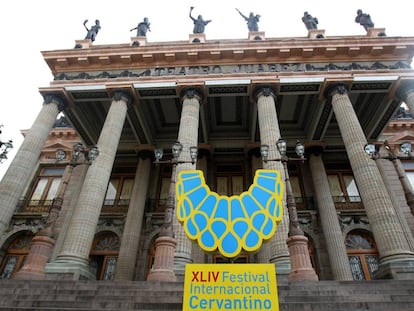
{"x":264,"y":253}
{"x":14,"y":181}
{"x":390,"y":173}
{"x":68,"y":206}
{"x":73,"y":260}
{"x":130,"y":239}
{"x":269,"y":135}
{"x":395,"y":254}
{"x":335,"y":243}
{"x":198,"y":255}
{"x":188,"y":137}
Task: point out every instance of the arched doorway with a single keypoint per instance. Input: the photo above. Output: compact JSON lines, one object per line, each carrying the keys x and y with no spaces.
{"x":104,"y":255}
{"x":15,"y":255}
{"x":362,"y":254}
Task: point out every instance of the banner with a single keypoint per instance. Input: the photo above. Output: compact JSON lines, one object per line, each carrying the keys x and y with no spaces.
{"x":230,"y":287}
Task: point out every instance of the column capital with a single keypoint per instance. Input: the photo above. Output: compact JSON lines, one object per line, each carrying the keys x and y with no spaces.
{"x":191,"y":92}
{"x":405,"y":88}
{"x":336,"y":88}
{"x":54,"y":98}
{"x":145,"y":154}
{"x":120,"y":94}
{"x":315,"y":148}
{"x":264,"y":90}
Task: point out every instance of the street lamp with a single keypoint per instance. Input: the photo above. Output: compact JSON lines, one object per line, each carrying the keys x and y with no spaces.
{"x":44,"y":240}
{"x":405,"y":148}
{"x":302,"y":269}
{"x":162,"y":269}
{"x":176,"y":150}
{"x":4,"y":148}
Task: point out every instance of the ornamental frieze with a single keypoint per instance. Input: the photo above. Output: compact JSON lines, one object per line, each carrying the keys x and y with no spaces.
{"x":231,"y":70}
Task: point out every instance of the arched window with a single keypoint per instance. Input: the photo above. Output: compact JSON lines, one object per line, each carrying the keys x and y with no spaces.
{"x":362,"y":254}
{"x":15,"y":255}
{"x":151,"y":258}
{"x":312,"y":254}
{"x":104,"y":255}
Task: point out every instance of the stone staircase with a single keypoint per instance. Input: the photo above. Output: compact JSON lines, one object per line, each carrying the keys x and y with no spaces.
{"x":381,"y":295}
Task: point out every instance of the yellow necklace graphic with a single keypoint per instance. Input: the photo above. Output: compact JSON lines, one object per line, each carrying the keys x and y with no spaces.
{"x":229,"y":224}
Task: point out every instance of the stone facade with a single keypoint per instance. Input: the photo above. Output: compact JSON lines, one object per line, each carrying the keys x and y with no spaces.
{"x":333,"y":94}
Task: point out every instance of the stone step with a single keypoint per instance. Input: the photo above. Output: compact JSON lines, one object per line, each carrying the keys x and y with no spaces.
{"x":382,"y":295}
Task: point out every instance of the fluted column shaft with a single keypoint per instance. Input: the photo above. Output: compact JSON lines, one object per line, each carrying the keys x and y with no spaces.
{"x":386,"y":169}
{"x":264,"y":254}
{"x":269,"y":135}
{"x":384,"y":222}
{"x":197,"y":253}
{"x":335,"y":244}
{"x":188,"y":137}
{"x":130,"y":239}
{"x":15,"y":179}
{"x":80,"y":234}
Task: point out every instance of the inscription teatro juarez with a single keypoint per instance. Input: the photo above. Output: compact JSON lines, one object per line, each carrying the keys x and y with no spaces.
{"x":232,"y":69}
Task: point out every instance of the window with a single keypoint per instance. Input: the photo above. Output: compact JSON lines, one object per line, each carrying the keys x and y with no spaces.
{"x":45,"y":188}
{"x":409,"y":171}
{"x":229,"y":179}
{"x":119,"y":191}
{"x":104,"y":255}
{"x":15,"y":255}
{"x":344,"y":190}
{"x":362,"y":254}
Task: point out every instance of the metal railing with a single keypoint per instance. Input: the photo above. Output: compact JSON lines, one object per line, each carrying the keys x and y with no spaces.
{"x":348,"y":202}
{"x":33,"y":206}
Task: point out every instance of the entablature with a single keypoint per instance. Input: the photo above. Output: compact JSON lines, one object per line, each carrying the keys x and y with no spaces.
{"x":231,"y":52}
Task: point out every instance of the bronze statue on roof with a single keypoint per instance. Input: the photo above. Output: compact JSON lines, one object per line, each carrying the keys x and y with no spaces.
{"x":199,"y":23}
{"x":364,"y":20}
{"x":252,"y":20}
{"x":142,"y":28}
{"x":310,"y":21}
{"x":93,"y":31}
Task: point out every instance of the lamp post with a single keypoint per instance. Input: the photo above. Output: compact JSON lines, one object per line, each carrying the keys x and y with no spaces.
{"x":44,"y":240}
{"x":301,"y":267}
{"x":405,"y":148}
{"x":162,"y":269}
{"x":4,"y":148}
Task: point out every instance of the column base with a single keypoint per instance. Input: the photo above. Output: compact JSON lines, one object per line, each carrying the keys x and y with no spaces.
{"x":180,"y":260}
{"x":282,"y":264}
{"x":69,"y":268}
{"x":161,"y":275}
{"x":302,"y":269}
{"x":34,"y":266}
{"x":162,"y":270}
{"x":397,"y":270}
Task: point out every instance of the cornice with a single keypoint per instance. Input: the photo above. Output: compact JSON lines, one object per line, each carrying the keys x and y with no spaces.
{"x":122,"y":56}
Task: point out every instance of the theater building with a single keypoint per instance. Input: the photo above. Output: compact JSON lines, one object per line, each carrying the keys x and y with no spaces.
{"x":96,"y":211}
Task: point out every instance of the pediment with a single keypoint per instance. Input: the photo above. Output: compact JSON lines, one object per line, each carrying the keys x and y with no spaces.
{"x":403,"y":136}
{"x":58,"y":145}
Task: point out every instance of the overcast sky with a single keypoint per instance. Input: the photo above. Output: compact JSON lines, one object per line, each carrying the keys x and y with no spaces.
{"x":29,"y":27}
